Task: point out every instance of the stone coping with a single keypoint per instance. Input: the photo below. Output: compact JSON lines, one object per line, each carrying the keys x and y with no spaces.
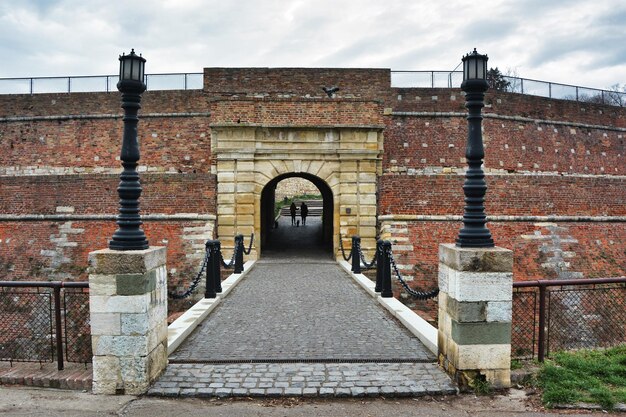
{"x":423,"y":330}
{"x":182,"y":327}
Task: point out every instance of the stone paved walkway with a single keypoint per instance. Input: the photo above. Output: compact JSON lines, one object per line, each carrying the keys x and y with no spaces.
{"x":308,"y":311}
{"x":300,"y":326}
{"x":302,"y":379}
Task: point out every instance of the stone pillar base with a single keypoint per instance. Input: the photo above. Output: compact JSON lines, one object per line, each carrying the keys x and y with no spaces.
{"x":128,"y":303}
{"x":475,"y":300}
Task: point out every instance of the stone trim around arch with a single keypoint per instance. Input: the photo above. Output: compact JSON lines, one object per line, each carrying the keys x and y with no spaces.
{"x":247,"y":158}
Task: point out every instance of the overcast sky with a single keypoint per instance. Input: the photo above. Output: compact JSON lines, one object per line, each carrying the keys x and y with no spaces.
{"x":581,"y":42}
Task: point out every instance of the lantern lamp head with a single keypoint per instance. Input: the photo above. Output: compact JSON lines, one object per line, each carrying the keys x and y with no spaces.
{"x":474,"y":69}
{"x":132,"y":68}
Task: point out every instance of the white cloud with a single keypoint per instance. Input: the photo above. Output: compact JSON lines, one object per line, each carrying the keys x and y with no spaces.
{"x":568,"y":41}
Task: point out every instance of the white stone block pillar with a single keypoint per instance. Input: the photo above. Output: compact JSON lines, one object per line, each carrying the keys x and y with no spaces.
{"x":475,"y":301}
{"x":128,"y":303}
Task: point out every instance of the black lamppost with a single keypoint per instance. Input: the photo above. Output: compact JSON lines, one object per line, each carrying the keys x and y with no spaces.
{"x":474,"y":233}
{"x":129,"y":235}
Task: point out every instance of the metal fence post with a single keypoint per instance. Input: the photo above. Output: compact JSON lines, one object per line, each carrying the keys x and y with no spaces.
{"x":356,"y":259}
{"x":542,"y":323}
{"x":239,"y":255}
{"x":379,"y":265}
{"x":209,"y":291}
{"x":386,"y":284}
{"x":218,"y":263}
{"x":57,"y":322}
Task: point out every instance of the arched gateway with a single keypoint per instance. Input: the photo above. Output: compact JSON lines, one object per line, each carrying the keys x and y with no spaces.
{"x":268,"y":203}
{"x":343,"y":162}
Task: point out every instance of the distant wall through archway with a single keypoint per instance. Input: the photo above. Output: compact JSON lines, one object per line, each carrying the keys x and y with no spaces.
{"x":269,"y":197}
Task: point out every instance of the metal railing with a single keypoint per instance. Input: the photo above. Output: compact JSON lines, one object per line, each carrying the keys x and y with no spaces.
{"x":384,"y":264}
{"x":399,"y":79}
{"x":97,"y":83}
{"x":448,"y":79}
{"x":553,"y":315}
{"x":213,"y":264}
{"x":39,"y":322}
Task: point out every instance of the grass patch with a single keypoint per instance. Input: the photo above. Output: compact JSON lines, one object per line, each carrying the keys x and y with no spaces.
{"x":287,"y":201}
{"x":591,"y":376}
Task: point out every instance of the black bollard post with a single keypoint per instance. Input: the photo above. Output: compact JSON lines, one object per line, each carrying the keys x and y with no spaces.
{"x":217,"y":266}
{"x":239,"y":255}
{"x":356,"y":259}
{"x":386,"y":284}
{"x":209,"y":291}
{"x":379,"y":265}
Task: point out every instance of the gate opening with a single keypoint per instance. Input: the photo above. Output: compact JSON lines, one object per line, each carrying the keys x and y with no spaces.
{"x":279,"y":236}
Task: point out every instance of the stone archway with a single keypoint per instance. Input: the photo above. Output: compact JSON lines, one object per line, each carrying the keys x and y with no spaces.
{"x":346,"y":160}
{"x":268,"y":202}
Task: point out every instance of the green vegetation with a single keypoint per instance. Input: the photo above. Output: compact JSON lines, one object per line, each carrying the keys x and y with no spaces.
{"x":481,"y":386}
{"x":516,"y":364}
{"x":287,"y":201}
{"x":591,"y":376}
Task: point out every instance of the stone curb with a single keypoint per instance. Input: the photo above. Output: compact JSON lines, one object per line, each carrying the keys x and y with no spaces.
{"x":423,"y":330}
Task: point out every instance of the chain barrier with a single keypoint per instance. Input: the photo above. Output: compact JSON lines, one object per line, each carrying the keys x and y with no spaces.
{"x":420,"y":295}
{"x":366,"y":265}
{"x":231,"y":264}
{"x":247,"y":252}
{"x":343,"y":252}
{"x":194,"y":283}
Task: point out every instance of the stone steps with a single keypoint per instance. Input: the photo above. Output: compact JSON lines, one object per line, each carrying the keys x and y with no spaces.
{"x":316,"y":208}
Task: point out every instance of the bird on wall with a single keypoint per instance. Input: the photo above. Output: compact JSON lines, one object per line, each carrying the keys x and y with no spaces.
{"x":330,"y":91}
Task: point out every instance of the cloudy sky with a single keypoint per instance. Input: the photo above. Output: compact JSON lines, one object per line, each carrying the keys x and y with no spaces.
{"x":581,"y":42}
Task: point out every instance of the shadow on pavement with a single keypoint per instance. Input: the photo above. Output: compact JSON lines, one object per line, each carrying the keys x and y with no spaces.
{"x":304,"y":243}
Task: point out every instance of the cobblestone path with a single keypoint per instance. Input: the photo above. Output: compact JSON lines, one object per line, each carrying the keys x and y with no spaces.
{"x":308,"y":311}
{"x":301,"y":327}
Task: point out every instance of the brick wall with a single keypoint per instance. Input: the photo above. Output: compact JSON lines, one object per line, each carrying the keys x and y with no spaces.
{"x":510,"y":104}
{"x":508,"y":195}
{"x":544,"y":157}
{"x":368,"y":83}
{"x":297,"y":112}
{"x":429,"y":144}
{"x":97,"y":194}
{"x":541,"y":250}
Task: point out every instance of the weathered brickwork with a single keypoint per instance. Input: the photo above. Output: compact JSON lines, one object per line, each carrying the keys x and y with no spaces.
{"x":508,"y":195}
{"x":593,"y":250}
{"x":371,"y":84}
{"x":97,"y":194}
{"x":168,"y":144}
{"x":509,"y":104}
{"x":297,"y":112}
{"x":559,"y":161}
{"x":416,"y":145}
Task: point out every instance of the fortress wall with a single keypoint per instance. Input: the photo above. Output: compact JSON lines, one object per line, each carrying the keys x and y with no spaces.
{"x":558,"y":160}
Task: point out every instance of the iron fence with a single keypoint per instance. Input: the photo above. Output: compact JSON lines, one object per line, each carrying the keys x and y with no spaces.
{"x":44,"y":322}
{"x":554,"y":315}
{"x":453,"y":79}
{"x":97,"y":83}
{"x":399,"y":79}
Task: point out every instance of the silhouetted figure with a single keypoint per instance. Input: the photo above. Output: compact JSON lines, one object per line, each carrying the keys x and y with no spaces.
{"x":304,"y":211}
{"x":292,"y":210}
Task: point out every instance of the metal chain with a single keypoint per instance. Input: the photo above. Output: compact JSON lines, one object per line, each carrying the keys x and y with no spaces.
{"x":343,"y":252}
{"x":247,"y":252}
{"x":231,"y":264}
{"x":195,"y":281}
{"x":366,"y":265}
{"x":420,"y":295}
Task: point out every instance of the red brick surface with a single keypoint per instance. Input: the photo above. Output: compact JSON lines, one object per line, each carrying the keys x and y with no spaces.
{"x":585,"y":164}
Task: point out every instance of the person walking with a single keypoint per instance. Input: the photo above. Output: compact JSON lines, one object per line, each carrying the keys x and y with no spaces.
{"x":292,"y":210}
{"x":304,"y":211}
